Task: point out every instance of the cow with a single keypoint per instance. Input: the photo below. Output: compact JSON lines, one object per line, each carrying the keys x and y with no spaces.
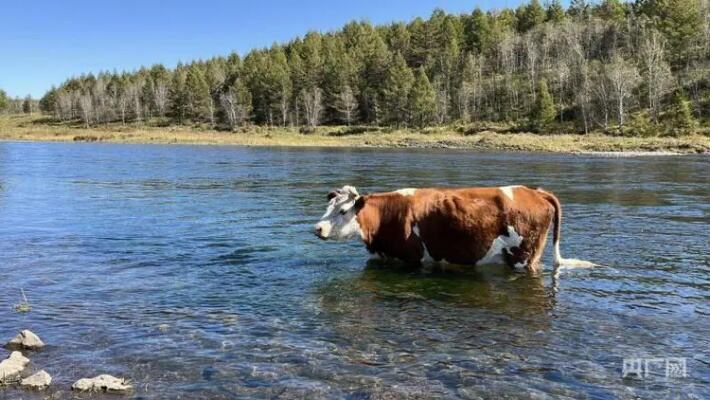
{"x":466,"y":226}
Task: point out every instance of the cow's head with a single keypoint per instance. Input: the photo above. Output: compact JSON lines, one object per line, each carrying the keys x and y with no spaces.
{"x":339,"y":221}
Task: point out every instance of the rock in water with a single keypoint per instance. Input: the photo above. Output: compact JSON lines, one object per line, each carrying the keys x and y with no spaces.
{"x":38,"y":381}
{"x":102,"y":383}
{"x":26,"y":340}
{"x":12,"y":367}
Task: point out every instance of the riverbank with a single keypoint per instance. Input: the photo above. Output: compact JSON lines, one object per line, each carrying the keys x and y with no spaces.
{"x":37,"y":128}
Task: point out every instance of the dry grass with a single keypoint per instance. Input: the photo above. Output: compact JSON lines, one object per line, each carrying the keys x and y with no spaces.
{"x":37,"y":128}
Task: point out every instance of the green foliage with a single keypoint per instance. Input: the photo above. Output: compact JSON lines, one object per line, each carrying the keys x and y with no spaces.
{"x":4,"y":101}
{"x":679,"y":20}
{"x":530,"y":15}
{"x":422,"y":100}
{"x":640,"y":125}
{"x":27,"y":105}
{"x":611,"y":10}
{"x":554,"y":12}
{"x":543,"y":113}
{"x":681,"y":118}
{"x":395,"y":90}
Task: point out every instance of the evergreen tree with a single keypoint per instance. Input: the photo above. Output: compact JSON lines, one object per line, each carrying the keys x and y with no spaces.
{"x":611,"y":10}
{"x":478,"y":31}
{"x":27,"y":106}
{"x":543,"y":113}
{"x":178,"y":95}
{"x":679,"y":21}
{"x":395,"y":91}
{"x":198,"y":94}
{"x":682,"y":114}
{"x":422,"y":100}
{"x":4,"y":101}
{"x":530,"y":15}
{"x":554,"y":12}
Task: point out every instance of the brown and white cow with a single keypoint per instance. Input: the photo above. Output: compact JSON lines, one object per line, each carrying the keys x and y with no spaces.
{"x":476,"y":226}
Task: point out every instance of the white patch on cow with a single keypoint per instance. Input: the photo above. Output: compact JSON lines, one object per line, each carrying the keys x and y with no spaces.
{"x":508,"y":190}
{"x":426,"y":257}
{"x":406,"y":192}
{"x":520,"y":266}
{"x":502,"y":242}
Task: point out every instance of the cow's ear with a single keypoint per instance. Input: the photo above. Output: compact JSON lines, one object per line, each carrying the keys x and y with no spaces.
{"x":331,"y":196}
{"x":359,"y":204}
{"x":350,"y":190}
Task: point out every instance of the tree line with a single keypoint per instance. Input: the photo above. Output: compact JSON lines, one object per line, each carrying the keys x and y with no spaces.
{"x":591,"y":66}
{"x":9,"y":105}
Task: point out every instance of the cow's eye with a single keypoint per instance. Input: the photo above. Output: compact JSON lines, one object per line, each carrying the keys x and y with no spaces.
{"x":343,"y":212}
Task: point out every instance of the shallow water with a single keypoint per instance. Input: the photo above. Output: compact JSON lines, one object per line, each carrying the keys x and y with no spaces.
{"x":193,"y":272}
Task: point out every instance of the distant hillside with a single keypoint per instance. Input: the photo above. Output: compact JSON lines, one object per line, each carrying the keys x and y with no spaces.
{"x":638,"y":68}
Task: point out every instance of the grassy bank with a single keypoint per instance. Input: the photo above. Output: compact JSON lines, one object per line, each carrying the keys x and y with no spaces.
{"x":37,"y":128}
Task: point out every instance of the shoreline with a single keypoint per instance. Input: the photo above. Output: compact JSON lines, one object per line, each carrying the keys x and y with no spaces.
{"x":38,"y":129}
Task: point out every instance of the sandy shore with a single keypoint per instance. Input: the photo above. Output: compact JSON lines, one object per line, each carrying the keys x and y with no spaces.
{"x":37,"y":128}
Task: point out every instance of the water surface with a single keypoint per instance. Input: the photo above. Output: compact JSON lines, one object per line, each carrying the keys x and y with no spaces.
{"x":192,"y":271}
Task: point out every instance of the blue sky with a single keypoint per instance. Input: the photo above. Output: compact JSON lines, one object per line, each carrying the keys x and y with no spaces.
{"x":43,"y":42}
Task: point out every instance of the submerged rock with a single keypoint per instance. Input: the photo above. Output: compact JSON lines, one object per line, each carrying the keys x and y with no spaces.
{"x":102,"y":383}
{"x":38,"y":381}
{"x":11,"y":368}
{"x":26,"y":339}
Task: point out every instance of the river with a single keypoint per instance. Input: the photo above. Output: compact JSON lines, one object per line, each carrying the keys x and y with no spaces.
{"x":193,"y":271}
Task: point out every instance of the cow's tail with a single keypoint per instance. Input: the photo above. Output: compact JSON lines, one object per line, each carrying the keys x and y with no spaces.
{"x":560,"y":262}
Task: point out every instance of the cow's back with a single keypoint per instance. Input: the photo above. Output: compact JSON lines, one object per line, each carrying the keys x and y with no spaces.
{"x":462,"y":225}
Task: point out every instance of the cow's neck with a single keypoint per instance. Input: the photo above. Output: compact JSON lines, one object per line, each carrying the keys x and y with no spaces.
{"x":384,"y":222}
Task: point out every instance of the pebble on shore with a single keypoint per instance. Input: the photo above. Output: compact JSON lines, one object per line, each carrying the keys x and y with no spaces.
{"x":37,"y":381}
{"x":102,"y":383}
{"x":26,"y":339}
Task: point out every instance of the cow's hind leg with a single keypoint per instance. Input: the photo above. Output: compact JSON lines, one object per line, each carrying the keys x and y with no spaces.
{"x":526,"y":257}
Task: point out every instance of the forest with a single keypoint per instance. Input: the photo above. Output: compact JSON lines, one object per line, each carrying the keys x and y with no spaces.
{"x":630,"y":68}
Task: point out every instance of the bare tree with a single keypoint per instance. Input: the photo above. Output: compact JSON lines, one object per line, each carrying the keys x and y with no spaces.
{"x":86,"y":105}
{"x":602,"y":92}
{"x":134,"y":97}
{"x":236,"y":106}
{"x":531,"y":58}
{"x":63,"y":105}
{"x":508,"y":61}
{"x":98,"y":93}
{"x":124,"y":101}
{"x":284,"y":97}
{"x":312,"y":105}
{"x":347,"y":104}
{"x":655,"y":69}
{"x":160,"y":97}
{"x":442,"y":100}
{"x":623,"y":78}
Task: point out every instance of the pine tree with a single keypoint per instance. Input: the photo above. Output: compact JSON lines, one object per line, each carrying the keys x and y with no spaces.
{"x":679,"y":21}
{"x":178,"y":95}
{"x":530,"y":15}
{"x":198,"y":94}
{"x":682,"y":114}
{"x":27,"y":107}
{"x":395,"y":91}
{"x":4,"y":101}
{"x":554,"y":12}
{"x":422,"y":100}
{"x":543,"y":113}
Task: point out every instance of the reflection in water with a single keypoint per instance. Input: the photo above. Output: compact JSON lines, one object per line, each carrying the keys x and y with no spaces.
{"x":193,"y":272}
